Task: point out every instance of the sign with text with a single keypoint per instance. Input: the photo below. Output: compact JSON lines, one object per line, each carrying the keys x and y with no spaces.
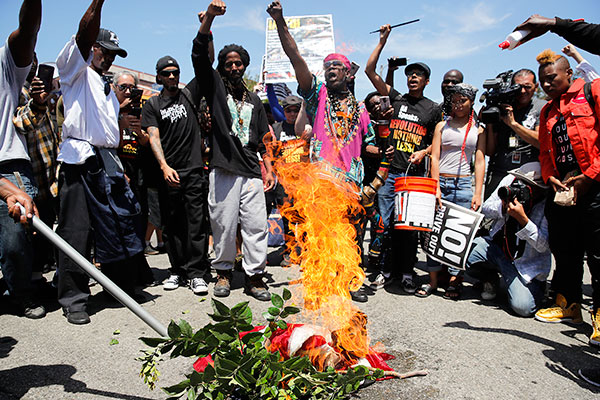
{"x":313,"y":35}
{"x":454,"y":228}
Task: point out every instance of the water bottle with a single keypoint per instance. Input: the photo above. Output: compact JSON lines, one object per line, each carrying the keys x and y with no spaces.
{"x":513,"y":40}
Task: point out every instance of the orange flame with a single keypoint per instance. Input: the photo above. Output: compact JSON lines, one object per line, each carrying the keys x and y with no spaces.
{"x":323,"y":210}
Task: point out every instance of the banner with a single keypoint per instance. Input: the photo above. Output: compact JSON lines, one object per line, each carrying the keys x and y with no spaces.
{"x":454,"y":228}
{"x":313,"y":35}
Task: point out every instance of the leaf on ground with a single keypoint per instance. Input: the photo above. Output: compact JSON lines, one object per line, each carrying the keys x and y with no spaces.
{"x":201,"y":299}
{"x":116,"y":332}
{"x":185,"y":312}
{"x":113,"y":342}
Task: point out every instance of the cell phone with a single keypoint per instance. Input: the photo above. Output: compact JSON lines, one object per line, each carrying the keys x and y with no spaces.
{"x":46,"y":73}
{"x":384,"y":103}
{"x":354,"y":69}
{"x":135,"y":112}
{"x":136,"y":102}
{"x":397,"y":61}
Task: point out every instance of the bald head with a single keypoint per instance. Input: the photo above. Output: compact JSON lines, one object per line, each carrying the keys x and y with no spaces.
{"x":451,"y":78}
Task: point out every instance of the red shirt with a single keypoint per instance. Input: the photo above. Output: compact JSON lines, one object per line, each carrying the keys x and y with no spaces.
{"x":583,"y":128}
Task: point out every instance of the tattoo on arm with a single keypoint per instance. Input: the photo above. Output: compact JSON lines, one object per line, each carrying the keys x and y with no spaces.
{"x":155,"y":144}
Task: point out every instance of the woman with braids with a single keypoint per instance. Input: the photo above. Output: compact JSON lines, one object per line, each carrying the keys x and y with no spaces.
{"x":454,"y":143}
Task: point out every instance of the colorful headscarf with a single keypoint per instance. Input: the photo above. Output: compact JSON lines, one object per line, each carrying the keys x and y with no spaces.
{"x":339,"y":57}
{"x":464,"y":89}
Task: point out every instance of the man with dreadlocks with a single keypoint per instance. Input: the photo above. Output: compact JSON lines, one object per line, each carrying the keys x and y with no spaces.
{"x":570,"y":158}
{"x":236,"y":189}
{"x":341,"y":125}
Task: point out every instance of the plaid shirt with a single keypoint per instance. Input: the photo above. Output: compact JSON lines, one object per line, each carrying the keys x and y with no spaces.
{"x":42,"y":143}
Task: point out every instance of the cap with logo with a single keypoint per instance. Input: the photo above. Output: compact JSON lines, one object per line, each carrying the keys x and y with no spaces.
{"x":418,"y":65}
{"x":109,"y":40}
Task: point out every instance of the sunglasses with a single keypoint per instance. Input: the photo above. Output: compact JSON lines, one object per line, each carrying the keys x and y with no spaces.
{"x":451,"y":81}
{"x":124,"y":87}
{"x":333,"y":64}
{"x":167,"y":74}
{"x":416,"y":72}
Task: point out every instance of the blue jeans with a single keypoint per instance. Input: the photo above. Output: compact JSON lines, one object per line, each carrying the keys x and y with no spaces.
{"x":487,"y":258}
{"x":460,"y":192}
{"x":16,"y":250}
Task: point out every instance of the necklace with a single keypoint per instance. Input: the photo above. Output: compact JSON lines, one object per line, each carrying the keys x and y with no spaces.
{"x":239,"y":104}
{"x":342,"y":124}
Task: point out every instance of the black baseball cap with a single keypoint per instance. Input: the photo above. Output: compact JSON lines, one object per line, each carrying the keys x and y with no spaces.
{"x":164,"y":62}
{"x":418,"y":65}
{"x":110,"y":41}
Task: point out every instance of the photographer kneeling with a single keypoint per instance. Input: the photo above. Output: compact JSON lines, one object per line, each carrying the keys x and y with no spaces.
{"x":517,"y":246}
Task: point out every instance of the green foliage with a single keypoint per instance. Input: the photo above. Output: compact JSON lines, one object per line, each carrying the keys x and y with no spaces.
{"x":243,"y":368}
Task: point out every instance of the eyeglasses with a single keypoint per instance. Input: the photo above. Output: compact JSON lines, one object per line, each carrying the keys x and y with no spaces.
{"x":416,"y":72}
{"x":167,"y":74}
{"x":333,"y":64}
{"x":124,"y":87}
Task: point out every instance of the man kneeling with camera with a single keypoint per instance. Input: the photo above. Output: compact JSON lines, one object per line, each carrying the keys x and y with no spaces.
{"x":517,"y":246}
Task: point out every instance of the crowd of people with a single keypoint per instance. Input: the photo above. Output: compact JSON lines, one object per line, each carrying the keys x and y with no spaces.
{"x":193,"y":165}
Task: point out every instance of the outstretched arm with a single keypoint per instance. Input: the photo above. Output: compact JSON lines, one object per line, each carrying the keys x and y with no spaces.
{"x":370,"y":69}
{"x":22,"y":41}
{"x":215,"y":8}
{"x":89,"y":27}
{"x":303,"y":75}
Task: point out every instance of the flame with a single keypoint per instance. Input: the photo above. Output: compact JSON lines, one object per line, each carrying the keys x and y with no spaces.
{"x":324,"y":209}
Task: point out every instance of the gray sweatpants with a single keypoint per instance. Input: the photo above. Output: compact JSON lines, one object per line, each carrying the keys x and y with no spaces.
{"x":234,"y":199}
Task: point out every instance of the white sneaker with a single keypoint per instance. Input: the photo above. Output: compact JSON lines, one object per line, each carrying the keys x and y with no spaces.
{"x":380,"y":282}
{"x":199,"y":286}
{"x":172,"y":282}
{"x":489,"y":291}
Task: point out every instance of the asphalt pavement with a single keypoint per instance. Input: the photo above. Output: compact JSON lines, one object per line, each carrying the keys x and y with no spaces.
{"x":473,"y":349}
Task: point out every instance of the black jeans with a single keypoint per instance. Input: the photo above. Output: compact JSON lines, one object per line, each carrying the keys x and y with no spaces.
{"x":183,"y":211}
{"x":574,"y":231}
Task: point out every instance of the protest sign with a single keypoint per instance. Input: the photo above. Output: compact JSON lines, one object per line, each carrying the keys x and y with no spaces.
{"x":313,"y":35}
{"x":454,"y":228}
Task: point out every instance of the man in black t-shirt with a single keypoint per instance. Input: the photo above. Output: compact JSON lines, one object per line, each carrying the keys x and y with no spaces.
{"x":513,"y":141}
{"x":236,"y":189}
{"x":172,"y":123}
{"x":411,"y":129}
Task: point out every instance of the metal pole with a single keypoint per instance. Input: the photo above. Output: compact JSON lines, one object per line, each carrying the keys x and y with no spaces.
{"x":92,"y":271}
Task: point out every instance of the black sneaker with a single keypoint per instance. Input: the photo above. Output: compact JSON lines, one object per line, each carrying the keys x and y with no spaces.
{"x":408,"y":285}
{"x":359,"y":296}
{"x":32,"y":309}
{"x":590,"y":375}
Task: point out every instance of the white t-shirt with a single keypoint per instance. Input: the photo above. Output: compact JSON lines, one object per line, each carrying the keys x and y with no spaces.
{"x":91,"y":117}
{"x":12,"y":144}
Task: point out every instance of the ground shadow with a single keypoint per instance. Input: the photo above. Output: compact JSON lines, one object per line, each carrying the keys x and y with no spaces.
{"x":7,"y":343}
{"x":566,"y":359}
{"x":16,"y":382}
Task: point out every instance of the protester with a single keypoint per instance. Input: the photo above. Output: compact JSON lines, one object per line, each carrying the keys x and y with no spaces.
{"x":32,"y":119}
{"x":570,"y":160}
{"x":587,"y":37}
{"x":331,"y":104}
{"x":455,"y":142}
{"x":513,"y":141}
{"x":517,"y":246}
{"x":88,"y":211}
{"x":583,"y":67}
{"x":16,"y":253}
{"x":172,"y":123}
{"x":415,"y":117}
{"x":451,"y":78}
{"x":236,"y":190}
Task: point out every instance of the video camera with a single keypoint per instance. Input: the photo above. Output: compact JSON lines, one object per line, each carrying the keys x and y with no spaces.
{"x":499,"y":90}
{"x":517,"y":190}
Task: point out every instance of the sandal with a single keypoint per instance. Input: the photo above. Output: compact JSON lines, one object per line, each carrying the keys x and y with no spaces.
{"x":425,"y":290}
{"x":453,"y":291}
